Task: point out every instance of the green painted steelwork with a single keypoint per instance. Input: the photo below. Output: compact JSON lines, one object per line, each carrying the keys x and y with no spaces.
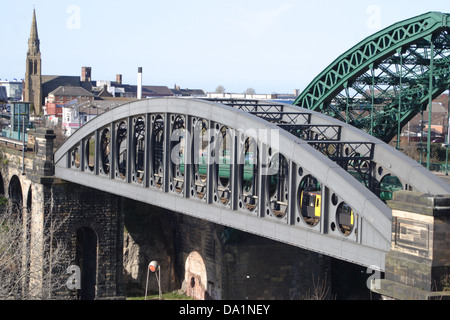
{"x":380,"y":84}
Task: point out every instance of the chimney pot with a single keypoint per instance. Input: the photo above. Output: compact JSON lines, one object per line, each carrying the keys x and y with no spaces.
{"x":86,"y":74}
{"x":139,"y":85}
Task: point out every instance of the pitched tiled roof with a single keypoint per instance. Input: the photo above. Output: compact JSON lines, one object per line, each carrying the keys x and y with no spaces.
{"x":71,"y":91}
{"x":187,"y":92}
{"x":51,"y":83}
{"x":156,"y":91}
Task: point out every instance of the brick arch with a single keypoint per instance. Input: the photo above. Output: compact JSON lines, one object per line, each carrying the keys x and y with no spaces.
{"x":86,"y":257}
{"x":81,"y":224}
{"x":2,"y":185}
{"x":9,"y":173}
{"x":195,"y":276}
{"x":79,"y":237}
{"x":82,"y":216}
{"x":29,"y":198}
{"x":15,"y":192}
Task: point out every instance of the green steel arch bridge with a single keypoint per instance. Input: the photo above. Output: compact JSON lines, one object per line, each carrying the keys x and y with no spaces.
{"x":381,"y":83}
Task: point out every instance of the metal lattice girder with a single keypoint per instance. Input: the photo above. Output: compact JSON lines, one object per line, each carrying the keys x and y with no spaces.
{"x":361,"y":155}
{"x":345,"y":151}
{"x":313,"y":131}
{"x":283,"y":117}
{"x":383,"y":82}
{"x":299,"y":124}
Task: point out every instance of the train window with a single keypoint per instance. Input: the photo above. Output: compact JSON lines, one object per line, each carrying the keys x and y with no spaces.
{"x":345,"y":218}
{"x":278,"y":185}
{"x":223,"y":164}
{"x":200,"y":155}
{"x":249,"y":174}
{"x":388,"y":185}
{"x":157,"y":151}
{"x":177,"y":153}
{"x":310,"y":194}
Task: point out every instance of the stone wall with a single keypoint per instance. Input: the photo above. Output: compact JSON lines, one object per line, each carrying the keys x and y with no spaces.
{"x":196,"y":243}
{"x":53,"y":211}
{"x":209,"y":261}
{"x":149,"y":235}
{"x":81,"y":208}
{"x":418,"y":264}
{"x":259,"y":268}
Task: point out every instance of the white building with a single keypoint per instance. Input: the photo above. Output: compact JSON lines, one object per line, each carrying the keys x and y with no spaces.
{"x":14,"y":89}
{"x":76,"y":115}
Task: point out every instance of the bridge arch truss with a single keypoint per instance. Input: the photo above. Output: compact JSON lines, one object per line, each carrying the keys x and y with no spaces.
{"x":381,"y":83}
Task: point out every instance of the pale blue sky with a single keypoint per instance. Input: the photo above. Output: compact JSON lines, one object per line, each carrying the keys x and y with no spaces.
{"x":271,"y":46}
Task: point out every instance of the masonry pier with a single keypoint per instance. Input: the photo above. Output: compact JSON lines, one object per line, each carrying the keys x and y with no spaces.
{"x":418,"y":264}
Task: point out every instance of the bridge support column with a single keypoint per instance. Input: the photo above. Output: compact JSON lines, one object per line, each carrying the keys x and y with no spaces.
{"x":71,"y":226}
{"x":41,"y":178}
{"x":418,"y":264}
{"x":43,"y":164}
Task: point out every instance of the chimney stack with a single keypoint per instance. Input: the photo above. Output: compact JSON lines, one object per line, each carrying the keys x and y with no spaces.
{"x":119,"y":79}
{"x":86,"y":74}
{"x":139,"y":88}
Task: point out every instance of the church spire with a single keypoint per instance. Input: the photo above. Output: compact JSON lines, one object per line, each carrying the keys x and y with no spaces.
{"x":33,"y":78}
{"x":33,"y":41}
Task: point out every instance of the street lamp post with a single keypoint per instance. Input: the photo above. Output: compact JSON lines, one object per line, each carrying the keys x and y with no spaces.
{"x":23,"y":147}
{"x":154,"y":267}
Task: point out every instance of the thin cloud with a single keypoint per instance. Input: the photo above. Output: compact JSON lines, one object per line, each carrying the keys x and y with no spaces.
{"x":257,"y":23}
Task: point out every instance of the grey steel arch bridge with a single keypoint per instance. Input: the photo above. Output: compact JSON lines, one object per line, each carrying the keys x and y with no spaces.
{"x":249,"y":166}
{"x":284,"y":172}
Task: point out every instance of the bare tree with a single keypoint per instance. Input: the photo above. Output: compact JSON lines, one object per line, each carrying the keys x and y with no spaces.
{"x":31,"y":263}
{"x":58,"y":130}
{"x":320,"y":290}
{"x":250,"y":91}
{"x":220,"y":89}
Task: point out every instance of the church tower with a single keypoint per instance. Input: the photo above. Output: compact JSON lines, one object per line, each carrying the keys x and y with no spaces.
{"x":33,"y":79}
